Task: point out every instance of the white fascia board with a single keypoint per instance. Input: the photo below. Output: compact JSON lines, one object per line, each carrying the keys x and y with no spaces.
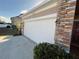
{"x":52,"y":16}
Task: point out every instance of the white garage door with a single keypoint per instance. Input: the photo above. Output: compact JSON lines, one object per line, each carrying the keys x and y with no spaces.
{"x":40,"y":30}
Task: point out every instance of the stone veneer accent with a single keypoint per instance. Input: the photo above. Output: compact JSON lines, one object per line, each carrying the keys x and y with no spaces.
{"x":64,"y":23}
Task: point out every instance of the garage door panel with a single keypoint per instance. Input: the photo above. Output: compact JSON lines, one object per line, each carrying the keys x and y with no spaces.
{"x":41,"y":30}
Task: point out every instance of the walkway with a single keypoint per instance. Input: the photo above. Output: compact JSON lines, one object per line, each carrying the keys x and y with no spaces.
{"x":17,"y":47}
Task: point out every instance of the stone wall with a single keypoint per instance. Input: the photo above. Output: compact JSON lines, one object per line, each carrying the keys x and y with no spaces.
{"x":64,"y":23}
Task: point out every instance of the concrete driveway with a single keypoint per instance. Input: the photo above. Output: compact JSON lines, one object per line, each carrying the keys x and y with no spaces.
{"x":18,"y":47}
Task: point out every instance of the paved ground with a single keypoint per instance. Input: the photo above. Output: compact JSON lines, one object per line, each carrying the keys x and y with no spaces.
{"x":17,"y":47}
{"x":4,"y":38}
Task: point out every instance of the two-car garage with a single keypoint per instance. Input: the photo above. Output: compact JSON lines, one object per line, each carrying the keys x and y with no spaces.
{"x":41,"y":29}
{"x":39,"y":23}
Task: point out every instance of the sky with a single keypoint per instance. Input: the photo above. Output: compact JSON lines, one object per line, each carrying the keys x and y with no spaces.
{"x":10,"y":8}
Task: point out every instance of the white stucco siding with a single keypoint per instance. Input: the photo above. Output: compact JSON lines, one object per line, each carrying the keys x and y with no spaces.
{"x":41,"y":29}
